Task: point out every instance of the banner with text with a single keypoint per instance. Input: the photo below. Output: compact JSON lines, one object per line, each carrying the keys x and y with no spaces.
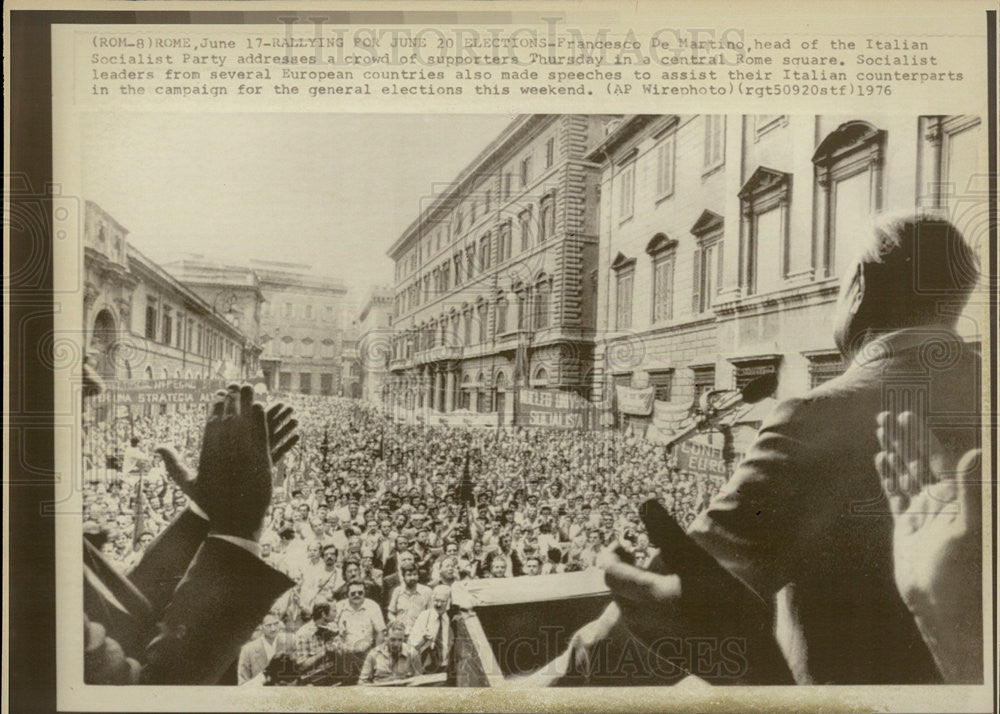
{"x":556,"y":410}
{"x":635,"y":402}
{"x":161,"y":391}
{"x":696,"y":456}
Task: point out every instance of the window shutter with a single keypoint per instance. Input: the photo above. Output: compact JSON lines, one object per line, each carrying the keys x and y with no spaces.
{"x":696,"y":283}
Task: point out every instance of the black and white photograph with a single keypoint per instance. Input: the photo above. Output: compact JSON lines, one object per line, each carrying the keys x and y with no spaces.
{"x":659,"y":410}
{"x":626,"y":399}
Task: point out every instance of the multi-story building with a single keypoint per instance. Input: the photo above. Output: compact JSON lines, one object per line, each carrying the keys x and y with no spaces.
{"x":723,"y":238}
{"x":495,"y":283}
{"x":142,"y":322}
{"x":374,"y":325}
{"x":232,"y":290}
{"x":351,"y":369}
{"x":301,"y":328}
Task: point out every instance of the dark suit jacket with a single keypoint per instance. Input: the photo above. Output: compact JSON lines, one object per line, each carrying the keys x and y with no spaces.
{"x":804,"y":513}
{"x":203,"y":599}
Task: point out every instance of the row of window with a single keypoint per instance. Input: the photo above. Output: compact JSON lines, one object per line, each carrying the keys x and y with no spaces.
{"x":848,"y":175}
{"x":290,"y":347}
{"x":664,"y":156}
{"x":662,"y":251}
{"x":174,"y":328}
{"x":532,"y":306}
{"x":326,"y":382}
{"x":477,"y":206}
{"x":491,"y":250}
{"x":823,"y":366}
{"x":304,"y":311}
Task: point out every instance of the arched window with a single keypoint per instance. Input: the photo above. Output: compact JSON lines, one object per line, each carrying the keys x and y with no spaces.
{"x":849,"y":176}
{"x":482,"y":316}
{"x":765,"y":198}
{"x":662,"y":252}
{"x":467,"y":326}
{"x":540,"y":377}
{"x":624,"y":269}
{"x":501,"y":314}
{"x":543,"y":289}
{"x":522,"y":306}
{"x":547,"y":219}
{"x":485,"y":253}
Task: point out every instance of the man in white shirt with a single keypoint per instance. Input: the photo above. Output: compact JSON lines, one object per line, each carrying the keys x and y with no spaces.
{"x":134,"y":460}
{"x":409,"y":599}
{"x":430,"y":635}
{"x":360,"y":626}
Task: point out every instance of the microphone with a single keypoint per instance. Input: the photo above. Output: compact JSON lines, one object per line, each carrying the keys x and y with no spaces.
{"x":755,"y":391}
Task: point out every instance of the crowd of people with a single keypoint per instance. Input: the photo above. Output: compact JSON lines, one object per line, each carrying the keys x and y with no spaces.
{"x":837,"y":552}
{"x":402,"y":509}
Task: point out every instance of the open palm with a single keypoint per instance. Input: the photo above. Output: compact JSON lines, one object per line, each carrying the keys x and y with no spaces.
{"x":937,"y":538}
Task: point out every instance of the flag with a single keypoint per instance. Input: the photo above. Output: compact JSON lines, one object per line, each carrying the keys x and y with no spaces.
{"x":465,"y":493}
{"x":140,"y":515}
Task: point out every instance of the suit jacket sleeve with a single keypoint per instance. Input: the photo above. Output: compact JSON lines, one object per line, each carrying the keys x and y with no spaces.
{"x":777,"y":502}
{"x":244,"y":672}
{"x":224,"y":594}
{"x":167,"y":559}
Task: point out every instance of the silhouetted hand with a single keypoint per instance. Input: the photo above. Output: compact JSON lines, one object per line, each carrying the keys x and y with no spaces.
{"x":233,"y":485}
{"x":937,"y":541}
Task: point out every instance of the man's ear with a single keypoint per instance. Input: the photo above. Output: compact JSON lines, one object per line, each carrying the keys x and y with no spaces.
{"x":860,"y":278}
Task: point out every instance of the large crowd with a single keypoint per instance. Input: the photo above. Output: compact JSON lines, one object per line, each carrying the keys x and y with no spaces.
{"x":401,"y":509}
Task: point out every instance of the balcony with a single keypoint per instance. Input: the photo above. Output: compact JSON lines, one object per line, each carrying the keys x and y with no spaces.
{"x":441,"y":352}
{"x":400,"y":363}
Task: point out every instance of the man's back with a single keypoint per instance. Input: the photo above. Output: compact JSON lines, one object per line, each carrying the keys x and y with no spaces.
{"x":804,"y":513}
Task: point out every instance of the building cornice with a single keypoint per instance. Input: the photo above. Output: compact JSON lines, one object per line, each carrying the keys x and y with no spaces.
{"x":514,"y":132}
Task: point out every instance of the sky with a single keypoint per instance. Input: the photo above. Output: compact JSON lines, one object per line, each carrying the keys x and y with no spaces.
{"x":331,"y":191}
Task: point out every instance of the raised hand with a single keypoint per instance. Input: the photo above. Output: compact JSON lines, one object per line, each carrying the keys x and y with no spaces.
{"x":281,"y":438}
{"x":936,"y":506}
{"x":233,"y":485}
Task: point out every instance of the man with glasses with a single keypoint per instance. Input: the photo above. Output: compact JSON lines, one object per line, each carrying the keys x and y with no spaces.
{"x":361,"y":627}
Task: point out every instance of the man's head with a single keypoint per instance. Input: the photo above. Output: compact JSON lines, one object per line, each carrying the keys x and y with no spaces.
{"x":330,"y":554}
{"x":356,"y":593}
{"x":532,"y":565}
{"x":271,"y":626}
{"x":908,"y":270}
{"x":134,"y":441}
{"x":410,"y":576}
{"x":449,"y":567}
{"x":498,"y":568}
{"x":441,"y":598}
{"x":352,"y":570}
{"x":405,"y":560}
{"x":321,"y":611}
{"x":395,"y":636}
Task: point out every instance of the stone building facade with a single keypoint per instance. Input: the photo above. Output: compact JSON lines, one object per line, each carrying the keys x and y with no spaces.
{"x":374,"y":326}
{"x":723,"y":238}
{"x":141,"y":322}
{"x":302,"y":328}
{"x":495,"y":283}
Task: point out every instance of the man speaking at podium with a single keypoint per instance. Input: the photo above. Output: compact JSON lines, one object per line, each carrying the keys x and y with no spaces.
{"x":802,"y":531}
